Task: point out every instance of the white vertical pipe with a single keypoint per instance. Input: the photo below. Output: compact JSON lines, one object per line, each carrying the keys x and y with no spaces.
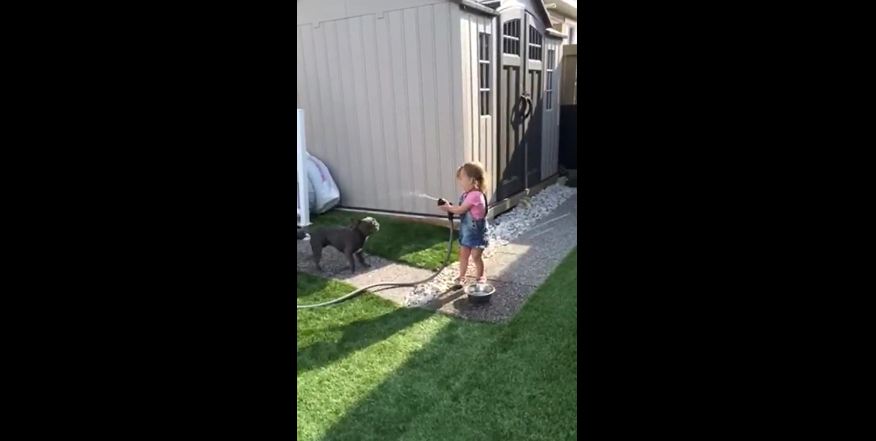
{"x":303,"y":201}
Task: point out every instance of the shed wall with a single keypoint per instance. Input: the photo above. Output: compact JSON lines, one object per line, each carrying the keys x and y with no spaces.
{"x":377,"y":92}
{"x":317,"y":11}
{"x":391,"y":100}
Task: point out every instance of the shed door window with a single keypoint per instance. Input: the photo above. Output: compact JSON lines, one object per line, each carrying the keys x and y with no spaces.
{"x":511,"y":37}
{"x":534,"y":44}
{"x":484,"y":72}
{"x":549,"y":84}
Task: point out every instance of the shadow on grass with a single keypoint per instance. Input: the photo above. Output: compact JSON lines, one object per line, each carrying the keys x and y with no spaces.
{"x":361,"y":322}
{"x":356,"y":336}
{"x":481,"y":382}
{"x":307,"y":284}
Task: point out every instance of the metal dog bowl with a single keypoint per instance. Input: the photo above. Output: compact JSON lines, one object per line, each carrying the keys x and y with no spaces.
{"x":479,"y":293}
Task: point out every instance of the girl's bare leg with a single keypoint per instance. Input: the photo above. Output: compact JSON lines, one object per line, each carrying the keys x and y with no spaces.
{"x":464,"y":252}
{"x":476,"y":254}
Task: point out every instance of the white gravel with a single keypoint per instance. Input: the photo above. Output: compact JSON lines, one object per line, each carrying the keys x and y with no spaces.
{"x":427,"y":292}
{"x":500,"y":232}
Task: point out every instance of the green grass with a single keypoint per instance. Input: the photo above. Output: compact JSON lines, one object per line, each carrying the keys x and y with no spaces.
{"x":370,"y":371}
{"x":415,"y":244}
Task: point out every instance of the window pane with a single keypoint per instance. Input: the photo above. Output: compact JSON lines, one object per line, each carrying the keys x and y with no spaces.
{"x":487,"y":47}
{"x":485,"y":103}
{"x":510,"y":34}
{"x":484,"y":73}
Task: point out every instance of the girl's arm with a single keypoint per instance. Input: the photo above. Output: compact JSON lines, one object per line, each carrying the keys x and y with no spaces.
{"x":457,"y":209}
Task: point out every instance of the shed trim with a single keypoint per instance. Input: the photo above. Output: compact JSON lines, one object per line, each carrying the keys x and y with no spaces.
{"x":555,"y":33}
{"x":476,"y":7}
{"x":534,"y":6}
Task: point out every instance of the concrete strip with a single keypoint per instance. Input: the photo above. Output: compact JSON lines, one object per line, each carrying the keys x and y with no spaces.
{"x":543,"y":232}
{"x":549,"y":221}
{"x":504,"y":304}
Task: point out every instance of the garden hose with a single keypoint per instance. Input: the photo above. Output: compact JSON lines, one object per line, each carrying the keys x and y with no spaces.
{"x":360,"y":290}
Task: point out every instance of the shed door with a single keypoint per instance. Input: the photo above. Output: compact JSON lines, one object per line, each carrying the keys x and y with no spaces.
{"x":520,"y":102}
{"x":534,"y":89}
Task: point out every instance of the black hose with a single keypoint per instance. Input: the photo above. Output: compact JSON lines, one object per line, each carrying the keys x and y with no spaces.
{"x":360,"y":290}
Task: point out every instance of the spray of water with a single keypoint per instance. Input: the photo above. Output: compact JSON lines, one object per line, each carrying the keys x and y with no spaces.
{"x":423,"y":195}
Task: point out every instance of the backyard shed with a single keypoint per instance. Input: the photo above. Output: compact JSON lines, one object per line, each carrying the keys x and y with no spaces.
{"x":397,"y":93}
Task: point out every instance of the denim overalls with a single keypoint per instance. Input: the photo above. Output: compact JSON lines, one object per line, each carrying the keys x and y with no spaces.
{"x":472,"y":233}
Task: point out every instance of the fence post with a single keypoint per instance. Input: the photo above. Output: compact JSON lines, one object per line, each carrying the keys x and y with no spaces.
{"x":303,"y":201}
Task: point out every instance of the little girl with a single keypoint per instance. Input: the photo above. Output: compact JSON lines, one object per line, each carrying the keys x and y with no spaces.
{"x":473,"y":225}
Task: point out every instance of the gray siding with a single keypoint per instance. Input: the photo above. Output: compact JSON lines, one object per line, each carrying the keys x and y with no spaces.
{"x":316,"y":11}
{"x":391,"y":98}
{"x":550,"y":133}
{"x":365,"y":90}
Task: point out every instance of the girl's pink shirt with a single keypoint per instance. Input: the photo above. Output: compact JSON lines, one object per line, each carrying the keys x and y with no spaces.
{"x":476,"y":199}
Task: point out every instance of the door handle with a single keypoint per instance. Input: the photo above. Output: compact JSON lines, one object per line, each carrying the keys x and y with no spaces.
{"x":528,"y":101}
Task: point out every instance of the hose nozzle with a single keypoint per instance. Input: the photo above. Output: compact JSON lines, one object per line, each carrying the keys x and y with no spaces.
{"x":442,"y":201}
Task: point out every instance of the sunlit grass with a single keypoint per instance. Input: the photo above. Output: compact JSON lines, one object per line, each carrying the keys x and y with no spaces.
{"x":370,"y":371}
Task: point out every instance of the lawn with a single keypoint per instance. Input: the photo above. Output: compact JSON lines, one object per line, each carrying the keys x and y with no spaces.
{"x":370,"y":371}
{"x":415,"y":244}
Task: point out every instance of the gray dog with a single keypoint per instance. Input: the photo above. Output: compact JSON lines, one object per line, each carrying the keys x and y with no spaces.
{"x":348,"y":240}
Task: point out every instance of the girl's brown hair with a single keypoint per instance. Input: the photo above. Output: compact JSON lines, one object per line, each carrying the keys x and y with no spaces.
{"x":476,"y":172}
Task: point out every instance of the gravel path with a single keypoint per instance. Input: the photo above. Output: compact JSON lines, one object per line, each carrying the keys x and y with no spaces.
{"x":526,"y":245}
{"x":518,"y":268}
